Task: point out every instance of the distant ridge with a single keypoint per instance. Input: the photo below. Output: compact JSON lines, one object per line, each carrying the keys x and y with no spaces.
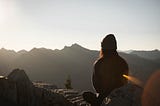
{"x":54,"y":66}
{"x":22,"y":52}
{"x":153,"y":54}
{"x":75,"y":45}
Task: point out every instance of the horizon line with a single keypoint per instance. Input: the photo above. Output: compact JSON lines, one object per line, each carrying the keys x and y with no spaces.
{"x":119,"y":50}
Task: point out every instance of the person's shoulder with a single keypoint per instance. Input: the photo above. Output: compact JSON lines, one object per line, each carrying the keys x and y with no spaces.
{"x":122,"y":61}
{"x":99,"y":61}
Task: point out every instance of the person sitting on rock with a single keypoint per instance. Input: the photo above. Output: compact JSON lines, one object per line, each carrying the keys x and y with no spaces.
{"x":108,"y":72}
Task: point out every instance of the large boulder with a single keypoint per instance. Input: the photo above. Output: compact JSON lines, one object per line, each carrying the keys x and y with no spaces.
{"x":127,"y":95}
{"x":18,"y":90}
{"x":8,"y":92}
{"x":25,"y":88}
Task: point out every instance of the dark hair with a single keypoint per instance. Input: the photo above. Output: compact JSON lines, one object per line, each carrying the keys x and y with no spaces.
{"x":105,"y":53}
{"x":109,"y":42}
{"x":108,"y":46}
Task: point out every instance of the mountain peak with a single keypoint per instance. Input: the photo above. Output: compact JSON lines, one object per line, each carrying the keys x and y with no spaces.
{"x":22,"y":51}
{"x":156,"y":50}
{"x":75,"y":45}
{"x":6,"y":50}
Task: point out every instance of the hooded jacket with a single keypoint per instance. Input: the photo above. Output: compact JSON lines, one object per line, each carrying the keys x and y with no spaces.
{"x":109,"y":69}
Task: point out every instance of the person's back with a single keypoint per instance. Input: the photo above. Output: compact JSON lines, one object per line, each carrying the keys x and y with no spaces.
{"x":108,"y":71}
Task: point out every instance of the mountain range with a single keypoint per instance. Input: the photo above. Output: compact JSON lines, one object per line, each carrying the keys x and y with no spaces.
{"x":54,"y":66}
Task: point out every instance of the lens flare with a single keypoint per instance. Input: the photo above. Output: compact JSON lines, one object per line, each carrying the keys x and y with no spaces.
{"x":151,"y":93}
{"x":134,"y":80}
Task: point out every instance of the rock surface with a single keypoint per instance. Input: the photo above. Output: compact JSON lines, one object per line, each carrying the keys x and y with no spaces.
{"x":128,"y":95}
{"x":8,"y":92}
{"x":72,"y":96}
{"x":17,"y":90}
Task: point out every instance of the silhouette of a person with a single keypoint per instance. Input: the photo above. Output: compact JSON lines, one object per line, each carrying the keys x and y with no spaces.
{"x":108,"y":71}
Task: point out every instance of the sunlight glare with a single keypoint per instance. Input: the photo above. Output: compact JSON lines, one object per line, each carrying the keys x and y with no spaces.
{"x":134,"y":80}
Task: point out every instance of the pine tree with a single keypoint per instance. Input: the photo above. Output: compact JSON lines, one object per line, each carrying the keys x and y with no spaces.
{"x":68,"y":82}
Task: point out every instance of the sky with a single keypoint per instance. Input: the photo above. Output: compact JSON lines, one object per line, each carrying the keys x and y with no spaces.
{"x":25,"y":24}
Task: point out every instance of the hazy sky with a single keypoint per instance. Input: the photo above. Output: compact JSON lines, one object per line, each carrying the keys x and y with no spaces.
{"x":25,"y":24}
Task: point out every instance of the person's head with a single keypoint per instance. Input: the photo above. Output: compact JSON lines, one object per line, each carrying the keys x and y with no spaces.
{"x":109,"y":43}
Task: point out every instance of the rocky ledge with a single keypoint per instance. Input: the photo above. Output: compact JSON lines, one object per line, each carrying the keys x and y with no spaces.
{"x":128,"y":95}
{"x":17,"y":90}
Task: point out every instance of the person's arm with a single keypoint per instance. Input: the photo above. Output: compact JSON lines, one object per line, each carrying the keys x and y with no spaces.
{"x":125,"y":71}
{"x":96,"y":78}
{"x":95,"y":82}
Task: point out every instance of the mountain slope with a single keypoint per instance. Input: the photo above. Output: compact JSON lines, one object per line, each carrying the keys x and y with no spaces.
{"x":152,"y":55}
{"x":54,"y":66}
